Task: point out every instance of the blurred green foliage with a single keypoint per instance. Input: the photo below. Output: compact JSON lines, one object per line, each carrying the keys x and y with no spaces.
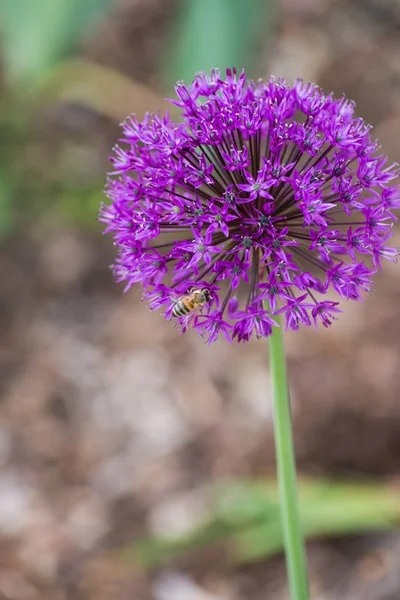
{"x":217,"y":34}
{"x":79,"y":206}
{"x":39,"y":39}
{"x":245,"y":519}
{"x":6,"y":194}
{"x":38,"y":33}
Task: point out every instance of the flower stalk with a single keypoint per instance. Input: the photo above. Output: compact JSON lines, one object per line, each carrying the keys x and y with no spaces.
{"x":286,"y":470}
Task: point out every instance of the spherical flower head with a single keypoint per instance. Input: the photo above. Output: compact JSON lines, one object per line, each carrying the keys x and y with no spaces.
{"x":263,"y":199}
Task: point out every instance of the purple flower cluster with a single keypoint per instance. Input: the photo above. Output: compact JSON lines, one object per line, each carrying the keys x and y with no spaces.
{"x":267,"y":195}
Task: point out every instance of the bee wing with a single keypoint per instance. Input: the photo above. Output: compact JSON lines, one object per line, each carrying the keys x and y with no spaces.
{"x":193,"y":288}
{"x":176,"y":297}
{"x":190,"y":318}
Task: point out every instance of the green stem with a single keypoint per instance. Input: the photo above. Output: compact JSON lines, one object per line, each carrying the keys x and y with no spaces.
{"x":286,"y":470}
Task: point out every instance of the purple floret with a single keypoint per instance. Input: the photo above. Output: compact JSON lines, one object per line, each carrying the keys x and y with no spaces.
{"x":267,"y":195}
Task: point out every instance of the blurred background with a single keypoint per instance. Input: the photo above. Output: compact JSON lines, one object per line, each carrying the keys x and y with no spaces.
{"x":137,"y":463}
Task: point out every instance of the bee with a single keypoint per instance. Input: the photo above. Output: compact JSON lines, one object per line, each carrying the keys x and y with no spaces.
{"x":191,"y":302}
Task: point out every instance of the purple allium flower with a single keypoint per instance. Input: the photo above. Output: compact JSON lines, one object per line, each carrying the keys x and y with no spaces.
{"x":267,"y":195}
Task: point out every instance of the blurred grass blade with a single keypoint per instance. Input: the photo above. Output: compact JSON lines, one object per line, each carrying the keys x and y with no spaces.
{"x":236,"y":506}
{"x":246,"y":519}
{"x":101,"y":89}
{"x":216,"y":33}
{"x":152,"y":552}
{"x":327,"y":509}
{"x":38,"y":33}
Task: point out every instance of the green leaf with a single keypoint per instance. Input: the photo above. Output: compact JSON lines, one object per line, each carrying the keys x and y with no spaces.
{"x":38,"y":33}
{"x":327,"y":509}
{"x":216,"y":33}
{"x":242,"y":503}
{"x":246,"y":519}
